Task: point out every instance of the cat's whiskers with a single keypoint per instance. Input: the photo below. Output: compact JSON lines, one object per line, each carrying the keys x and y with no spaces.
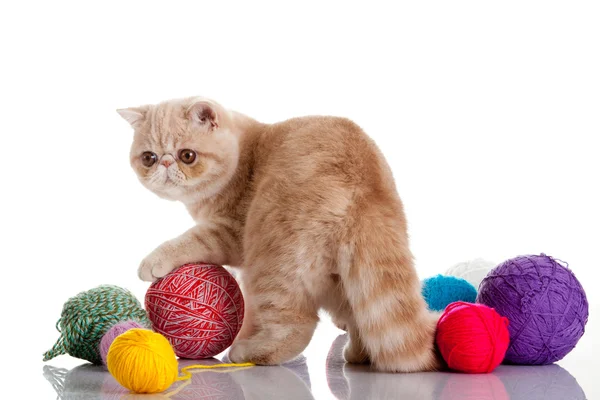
{"x":176,"y":176}
{"x":159,"y":176}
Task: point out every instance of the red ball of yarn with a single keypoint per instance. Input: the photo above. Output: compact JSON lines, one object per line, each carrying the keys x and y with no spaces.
{"x":199,"y":308}
{"x":472,"y":338}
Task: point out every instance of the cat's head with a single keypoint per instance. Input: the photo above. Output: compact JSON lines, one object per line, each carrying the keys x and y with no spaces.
{"x":183,"y":149}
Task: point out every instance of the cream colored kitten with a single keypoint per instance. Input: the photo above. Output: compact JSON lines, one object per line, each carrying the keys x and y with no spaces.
{"x":307,"y":209}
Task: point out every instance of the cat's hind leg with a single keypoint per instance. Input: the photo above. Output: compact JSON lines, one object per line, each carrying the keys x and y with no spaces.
{"x":280,"y":319}
{"x":384,"y":293}
{"x":336,"y":304}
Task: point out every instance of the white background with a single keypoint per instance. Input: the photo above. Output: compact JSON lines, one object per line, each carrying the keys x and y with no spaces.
{"x":487,"y":112}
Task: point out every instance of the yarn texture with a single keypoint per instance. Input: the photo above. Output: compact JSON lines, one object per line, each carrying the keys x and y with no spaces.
{"x":198,"y":307}
{"x":439,"y":291}
{"x":112,"y":334}
{"x":545,"y":303}
{"x":86,"y":317}
{"x":473,"y":271}
{"x":472,"y":338}
{"x":142,"y":361}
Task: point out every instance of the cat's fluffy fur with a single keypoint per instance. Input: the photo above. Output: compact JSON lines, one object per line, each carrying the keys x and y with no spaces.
{"x":308,"y":210}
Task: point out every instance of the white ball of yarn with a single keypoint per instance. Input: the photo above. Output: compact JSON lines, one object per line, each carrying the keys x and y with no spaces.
{"x":472,"y":271}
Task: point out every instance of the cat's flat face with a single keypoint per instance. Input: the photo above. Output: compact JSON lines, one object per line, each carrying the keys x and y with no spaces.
{"x":182,"y":149}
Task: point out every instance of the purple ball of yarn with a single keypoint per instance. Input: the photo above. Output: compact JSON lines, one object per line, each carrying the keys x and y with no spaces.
{"x":545,"y":304}
{"x":112,"y":334}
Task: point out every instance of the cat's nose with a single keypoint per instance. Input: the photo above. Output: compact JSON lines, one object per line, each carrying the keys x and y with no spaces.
{"x":167,"y":160}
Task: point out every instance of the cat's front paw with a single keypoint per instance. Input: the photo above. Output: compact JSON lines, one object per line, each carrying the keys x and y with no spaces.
{"x":158,"y":263}
{"x":254,"y":351}
{"x":238,"y":352}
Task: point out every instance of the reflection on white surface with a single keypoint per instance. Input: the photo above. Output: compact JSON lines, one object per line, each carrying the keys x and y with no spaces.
{"x":86,"y":381}
{"x":348,"y":381}
{"x":549,"y":382}
{"x":291,"y":381}
{"x":539,"y":382}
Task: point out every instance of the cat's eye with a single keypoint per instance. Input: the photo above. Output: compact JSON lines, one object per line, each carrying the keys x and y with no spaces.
{"x":148,"y":158}
{"x":187,"y":156}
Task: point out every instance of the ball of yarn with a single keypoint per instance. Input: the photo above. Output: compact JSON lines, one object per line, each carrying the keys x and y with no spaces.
{"x":112,"y":334}
{"x":472,"y":271}
{"x":472,"y":338}
{"x":198,"y":307}
{"x":545,"y":304}
{"x":142,"y":361}
{"x":439,"y":291}
{"x":86,"y":317}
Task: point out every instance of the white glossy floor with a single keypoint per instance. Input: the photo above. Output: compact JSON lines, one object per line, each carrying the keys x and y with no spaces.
{"x":322,"y":374}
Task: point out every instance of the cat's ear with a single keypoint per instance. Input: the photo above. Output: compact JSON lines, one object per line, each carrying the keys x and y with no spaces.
{"x":203,"y":112}
{"x":133,"y":115}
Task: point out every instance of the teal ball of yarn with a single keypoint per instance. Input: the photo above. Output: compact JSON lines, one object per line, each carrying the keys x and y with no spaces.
{"x":86,"y":317}
{"x":440,"y":290}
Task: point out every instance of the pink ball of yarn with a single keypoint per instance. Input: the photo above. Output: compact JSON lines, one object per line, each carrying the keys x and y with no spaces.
{"x":112,"y":334}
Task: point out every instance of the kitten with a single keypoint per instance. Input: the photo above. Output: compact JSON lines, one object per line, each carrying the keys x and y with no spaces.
{"x":308,"y":210}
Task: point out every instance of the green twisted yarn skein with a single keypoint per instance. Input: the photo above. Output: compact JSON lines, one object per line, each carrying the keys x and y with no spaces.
{"x":86,"y":317}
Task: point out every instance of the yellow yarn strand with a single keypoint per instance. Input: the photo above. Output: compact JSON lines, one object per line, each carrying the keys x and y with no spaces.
{"x":228,"y":367}
{"x":187,"y":374}
{"x":172,"y":393}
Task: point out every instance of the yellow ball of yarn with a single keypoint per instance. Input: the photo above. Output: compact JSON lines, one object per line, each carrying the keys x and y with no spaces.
{"x":142,"y":361}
